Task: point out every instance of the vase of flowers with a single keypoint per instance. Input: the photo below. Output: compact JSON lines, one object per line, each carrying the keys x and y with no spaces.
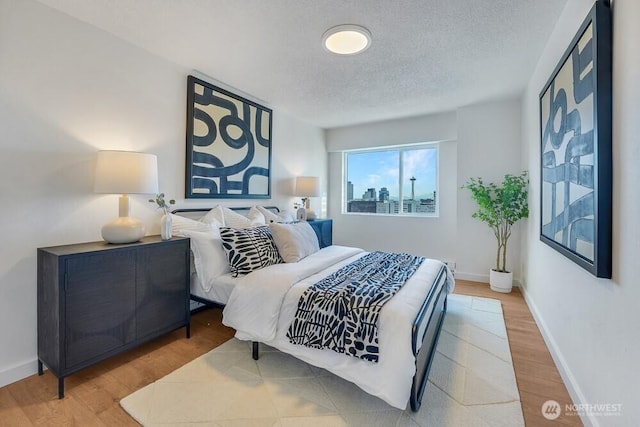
{"x":165,"y":221}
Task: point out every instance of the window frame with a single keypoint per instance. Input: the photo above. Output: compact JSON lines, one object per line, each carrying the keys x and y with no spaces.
{"x":401,"y":149}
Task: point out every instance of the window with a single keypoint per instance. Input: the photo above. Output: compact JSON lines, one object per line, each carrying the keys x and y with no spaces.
{"x":392,"y":181}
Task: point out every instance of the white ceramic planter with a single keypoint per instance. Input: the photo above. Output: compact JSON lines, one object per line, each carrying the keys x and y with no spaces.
{"x":500,"y":282}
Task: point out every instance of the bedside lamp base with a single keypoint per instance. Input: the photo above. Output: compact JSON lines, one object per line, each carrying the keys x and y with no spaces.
{"x":123,"y":229}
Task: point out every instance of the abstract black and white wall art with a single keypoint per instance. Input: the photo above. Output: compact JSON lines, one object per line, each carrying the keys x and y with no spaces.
{"x":228,"y":144}
{"x":575,"y":113}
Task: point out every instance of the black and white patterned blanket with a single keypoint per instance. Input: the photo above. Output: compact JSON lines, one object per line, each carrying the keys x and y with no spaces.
{"x":341,"y":311}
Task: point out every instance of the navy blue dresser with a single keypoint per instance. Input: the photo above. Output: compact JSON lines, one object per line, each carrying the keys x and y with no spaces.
{"x":324,"y":231}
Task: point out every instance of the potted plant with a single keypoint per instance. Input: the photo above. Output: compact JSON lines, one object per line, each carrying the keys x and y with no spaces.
{"x":500,"y":207}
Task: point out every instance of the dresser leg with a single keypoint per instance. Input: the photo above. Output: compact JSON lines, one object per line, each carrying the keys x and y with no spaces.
{"x":40,"y":368}
{"x":188,"y":330}
{"x":60,"y":387}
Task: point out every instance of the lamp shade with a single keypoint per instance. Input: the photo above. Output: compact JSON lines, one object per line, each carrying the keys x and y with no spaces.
{"x":126,"y":172}
{"x":307,"y":186}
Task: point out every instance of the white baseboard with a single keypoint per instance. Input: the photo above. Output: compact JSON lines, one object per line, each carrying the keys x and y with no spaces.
{"x":18,"y":372}
{"x":482,"y":278}
{"x":565,"y":372}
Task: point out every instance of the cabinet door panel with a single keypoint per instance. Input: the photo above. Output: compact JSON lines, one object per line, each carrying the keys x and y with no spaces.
{"x":162,"y":297}
{"x":100,"y":305}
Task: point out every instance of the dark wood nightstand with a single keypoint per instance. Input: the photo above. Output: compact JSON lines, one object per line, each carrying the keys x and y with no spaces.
{"x":324,"y":231}
{"x":96,"y":300}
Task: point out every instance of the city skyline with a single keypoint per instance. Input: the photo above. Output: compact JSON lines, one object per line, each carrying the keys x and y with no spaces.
{"x":382,"y":195}
{"x":380,"y":169}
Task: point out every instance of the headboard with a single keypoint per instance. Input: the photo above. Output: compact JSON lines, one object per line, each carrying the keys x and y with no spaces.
{"x":197,"y":213}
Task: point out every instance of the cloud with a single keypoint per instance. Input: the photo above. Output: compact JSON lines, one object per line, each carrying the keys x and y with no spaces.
{"x":373,"y":179}
{"x":414,"y":161}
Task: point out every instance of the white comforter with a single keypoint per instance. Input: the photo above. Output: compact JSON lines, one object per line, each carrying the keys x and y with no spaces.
{"x":263,"y":304}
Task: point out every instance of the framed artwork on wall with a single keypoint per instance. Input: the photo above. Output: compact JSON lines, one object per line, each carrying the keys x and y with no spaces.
{"x":576,"y":158}
{"x":228,"y":144}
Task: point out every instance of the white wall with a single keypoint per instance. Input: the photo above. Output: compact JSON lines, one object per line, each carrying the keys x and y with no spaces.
{"x":480,"y":140}
{"x":67,"y":90}
{"x":591,"y":324}
{"x":429,"y":128}
{"x":489,"y":142}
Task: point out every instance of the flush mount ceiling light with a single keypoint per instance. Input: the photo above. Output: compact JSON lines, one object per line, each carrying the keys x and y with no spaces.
{"x":346,"y":39}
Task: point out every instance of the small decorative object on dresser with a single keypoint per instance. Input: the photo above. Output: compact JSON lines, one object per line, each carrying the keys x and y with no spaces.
{"x":301,"y":214}
{"x":97,"y":300}
{"x":165,"y":221}
{"x":165,"y":226}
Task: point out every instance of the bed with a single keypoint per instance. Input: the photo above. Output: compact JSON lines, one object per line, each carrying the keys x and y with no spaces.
{"x":260,"y":306}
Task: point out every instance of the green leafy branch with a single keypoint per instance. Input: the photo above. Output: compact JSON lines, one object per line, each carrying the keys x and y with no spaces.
{"x":500,"y":207}
{"x":162,"y":204}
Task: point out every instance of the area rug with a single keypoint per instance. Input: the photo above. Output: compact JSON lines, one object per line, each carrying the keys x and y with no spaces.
{"x":471,"y":383}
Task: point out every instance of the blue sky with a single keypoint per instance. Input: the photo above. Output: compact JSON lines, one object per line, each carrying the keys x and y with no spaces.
{"x":380,"y":169}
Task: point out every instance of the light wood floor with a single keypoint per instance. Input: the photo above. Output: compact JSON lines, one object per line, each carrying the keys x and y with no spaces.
{"x":92,"y":395}
{"x":536,"y":374}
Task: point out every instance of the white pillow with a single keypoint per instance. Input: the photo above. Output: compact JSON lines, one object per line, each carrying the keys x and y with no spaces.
{"x":179,"y":224}
{"x":286,"y":216}
{"x":209,"y":256}
{"x":235,"y":220}
{"x":256,"y":216}
{"x":215,"y":215}
{"x":294,"y":241}
{"x":269,"y":216}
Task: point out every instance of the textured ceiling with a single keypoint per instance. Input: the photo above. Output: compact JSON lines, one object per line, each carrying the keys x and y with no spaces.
{"x":426,"y":55}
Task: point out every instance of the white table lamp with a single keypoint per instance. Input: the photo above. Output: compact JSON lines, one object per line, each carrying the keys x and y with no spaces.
{"x":125,"y":172}
{"x":307,"y":187}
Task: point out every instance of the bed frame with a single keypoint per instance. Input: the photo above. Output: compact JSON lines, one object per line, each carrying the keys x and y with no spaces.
{"x":425,"y":329}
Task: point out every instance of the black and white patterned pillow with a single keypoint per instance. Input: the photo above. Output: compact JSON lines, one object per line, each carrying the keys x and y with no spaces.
{"x":249,"y":249}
